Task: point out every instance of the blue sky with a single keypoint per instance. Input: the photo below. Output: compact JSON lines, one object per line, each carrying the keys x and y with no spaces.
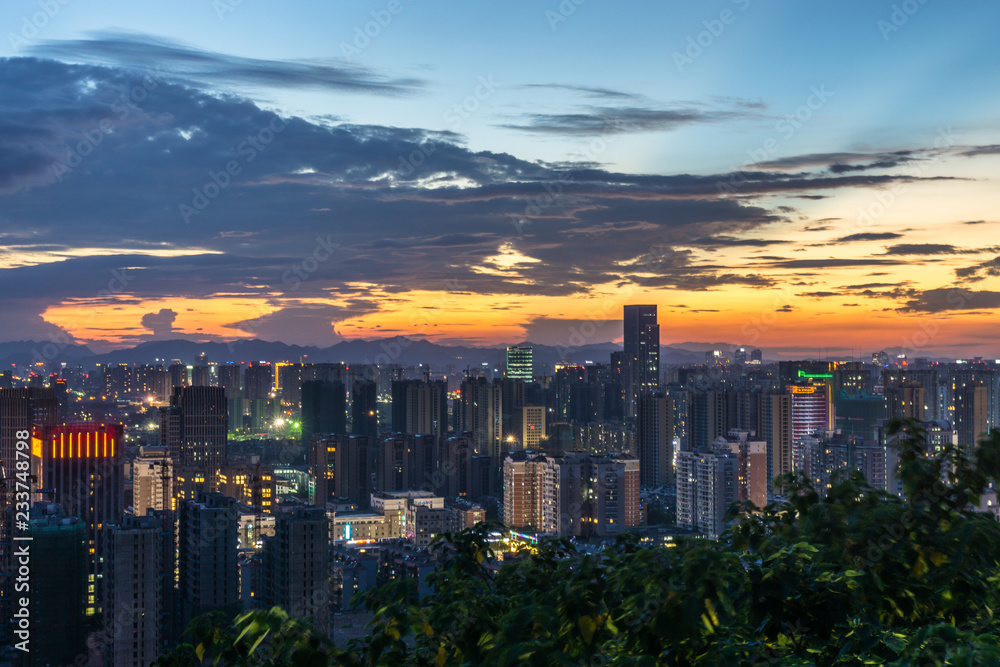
{"x":681,"y":153}
{"x":886,"y":91}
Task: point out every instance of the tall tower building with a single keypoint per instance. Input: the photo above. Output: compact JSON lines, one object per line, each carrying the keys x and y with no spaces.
{"x":655,"y":439}
{"x":229,"y":380}
{"x":295,"y":565}
{"x":420,"y":407}
{"x":341,"y":466}
{"x":59,"y":588}
{"x":195,"y":426}
{"x":519,"y":363}
{"x":152,"y":480}
{"x":642,"y":352}
{"x":971,"y":414}
{"x":776,"y":431}
{"x":364,"y":408}
{"x":207,"y":547}
{"x":905,"y":401}
{"x":481,"y":413}
{"x":81,"y":465}
{"x":140,"y":588}
{"x":324,"y":409}
{"x":258,"y":381}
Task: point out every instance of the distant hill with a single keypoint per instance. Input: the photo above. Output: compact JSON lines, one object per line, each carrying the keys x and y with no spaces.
{"x":396,"y":350}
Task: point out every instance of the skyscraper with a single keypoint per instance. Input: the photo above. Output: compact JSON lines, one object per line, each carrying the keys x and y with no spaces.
{"x":152,"y":480}
{"x":519,"y":363}
{"x":324,"y":409}
{"x":295,"y":564}
{"x":82,"y":466}
{"x":655,"y":439}
{"x":642,"y":352}
{"x":194,"y":427}
{"x":207,"y":547}
{"x":140,"y":588}
{"x":58,"y":586}
{"x":364,"y":408}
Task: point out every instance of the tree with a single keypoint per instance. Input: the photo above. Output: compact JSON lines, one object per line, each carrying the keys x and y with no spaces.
{"x":858,"y":576}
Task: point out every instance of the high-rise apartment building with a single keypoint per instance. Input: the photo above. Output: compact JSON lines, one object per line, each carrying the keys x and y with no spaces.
{"x":324,"y":409}
{"x":655,"y":439}
{"x":81,"y":466}
{"x":642,"y":352}
{"x":194,"y":427}
{"x":295,"y":565}
{"x":140,"y":573}
{"x":152,"y":480}
{"x":207,"y":547}
{"x":575,"y":494}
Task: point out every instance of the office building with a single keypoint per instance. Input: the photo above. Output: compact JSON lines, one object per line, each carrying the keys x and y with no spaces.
{"x":575,"y":494}
{"x":81,"y":467}
{"x":481,"y":413}
{"x":519,"y":364}
{"x":194,"y":427}
{"x":642,"y":352}
{"x":324,"y":409}
{"x":655,"y":439}
{"x":59,"y":586}
{"x":364,"y":408}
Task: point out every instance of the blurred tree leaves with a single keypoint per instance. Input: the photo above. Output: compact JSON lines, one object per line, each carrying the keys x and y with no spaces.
{"x":857,"y":577}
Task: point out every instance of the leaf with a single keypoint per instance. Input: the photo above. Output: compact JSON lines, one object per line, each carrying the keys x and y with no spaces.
{"x":588,"y":626}
{"x":200,"y":651}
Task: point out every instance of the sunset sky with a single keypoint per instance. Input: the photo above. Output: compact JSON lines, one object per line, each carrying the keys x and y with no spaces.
{"x":809,"y":177}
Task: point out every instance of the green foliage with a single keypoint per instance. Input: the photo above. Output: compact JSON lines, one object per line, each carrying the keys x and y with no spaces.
{"x":856,"y":577}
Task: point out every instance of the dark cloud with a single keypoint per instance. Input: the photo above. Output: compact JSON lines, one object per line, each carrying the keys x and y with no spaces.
{"x":191,"y":65}
{"x":161,"y":324}
{"x":951,"y":299}
{"x":727,"y":241}
{"x":979,"y":272}
{"x":819,"y":295}
{"x":839,"y":162}
{"x":869,"y":236}
{"x":992,"y":149}
{"x":605,"y":93}
{"x":923,"y":249}
{"x":602,"y":121}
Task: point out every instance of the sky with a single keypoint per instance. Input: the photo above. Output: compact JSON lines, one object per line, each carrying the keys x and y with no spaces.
{"x":812,"y":178}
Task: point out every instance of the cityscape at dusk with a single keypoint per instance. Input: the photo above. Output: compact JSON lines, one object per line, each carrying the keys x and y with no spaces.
{"x":410,"y":183}
{"x":560,"y":332}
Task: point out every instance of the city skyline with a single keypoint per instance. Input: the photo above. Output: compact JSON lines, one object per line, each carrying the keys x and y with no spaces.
{"x":221,"y":171}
